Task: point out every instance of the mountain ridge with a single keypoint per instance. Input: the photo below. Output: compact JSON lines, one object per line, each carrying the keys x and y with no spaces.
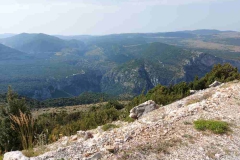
{"x":72,"y":67}
{"x":8,"y":53}
{"x":32,"y":43}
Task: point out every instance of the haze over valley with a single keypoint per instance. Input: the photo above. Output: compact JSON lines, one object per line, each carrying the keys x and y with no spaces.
{"x":44,"y":66}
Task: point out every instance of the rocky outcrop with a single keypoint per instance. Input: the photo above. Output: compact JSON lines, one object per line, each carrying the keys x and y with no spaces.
{"x":142,"y":109}
{"x":165,"y":133}
{"x":15,"y":155}
{"x":69,"y":86}
{"x":215,"y":84}
{"x":202,"y":63}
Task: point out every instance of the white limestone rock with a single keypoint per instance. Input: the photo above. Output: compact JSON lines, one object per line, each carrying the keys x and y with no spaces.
{"x":143,"y":108}
{"x":15,"y":155}
{"x":215,"y":84}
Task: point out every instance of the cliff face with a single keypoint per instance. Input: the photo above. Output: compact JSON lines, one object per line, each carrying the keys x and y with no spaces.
{"x":202,"y":64}
{"x":72,"y":85}
{"x":138,"y":75}
{"x":165,"y":133}
{"x":132,"y":77}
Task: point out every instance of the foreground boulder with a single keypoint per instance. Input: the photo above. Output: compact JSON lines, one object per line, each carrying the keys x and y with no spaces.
{"x":15,"y":155}
{"x":215,"y":84}
{"x":142,"y":109}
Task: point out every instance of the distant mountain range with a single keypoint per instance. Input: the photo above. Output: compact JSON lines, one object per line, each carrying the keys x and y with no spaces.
{"x":43,"y":66}
{"x":39,"y":43}
{"x":7,"y":53}
{"x":6,"y":35}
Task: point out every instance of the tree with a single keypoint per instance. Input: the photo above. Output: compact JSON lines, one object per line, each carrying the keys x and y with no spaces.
{"x":222,"y":73}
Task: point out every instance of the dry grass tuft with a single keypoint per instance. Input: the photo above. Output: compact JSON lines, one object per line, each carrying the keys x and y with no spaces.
{"x":199,"y":99}
{"x":24,"y":124}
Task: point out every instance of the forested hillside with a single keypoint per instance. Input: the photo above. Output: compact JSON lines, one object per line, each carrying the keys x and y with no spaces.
{"x":42,"y":67}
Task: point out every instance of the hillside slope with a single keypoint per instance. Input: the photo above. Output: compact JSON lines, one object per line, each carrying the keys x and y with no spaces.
{"x":166,"y":133}
{"x":7,"y":53}
{"x":39,"y":43}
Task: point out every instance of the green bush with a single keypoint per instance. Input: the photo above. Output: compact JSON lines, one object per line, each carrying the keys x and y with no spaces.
{"x":115,"y":104}
{"x":109,"y":126}
{"x":128,"y":119}
{"x":222,"y":73}
{"x":217,"y":127}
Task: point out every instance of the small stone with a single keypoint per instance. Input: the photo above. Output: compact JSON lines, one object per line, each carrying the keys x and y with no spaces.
{"x":99,"y":130}
{"x":74,"y":138}
{"x":132,"y":132}
{"x":88,"y":135}
{"x":111,"y":149}
{"x":217,"y":155}
{"x":87,"y":154}
{"x":127,"y":138}
{"x":96,"y":156}
{"x":179,"y":105}
{"x":193,"y":91}
{"x":81,"y":133}
{"x":119,"y":140}
{"x":60,"y":149}
{"x":201,"y":149}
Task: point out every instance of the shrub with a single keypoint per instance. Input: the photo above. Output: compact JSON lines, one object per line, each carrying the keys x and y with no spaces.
{"x":128,"y":119}
{"x":217,"y":127}
{"x":109,"y":126}
{"x":115,"y":104}
{"x":222,"y":73}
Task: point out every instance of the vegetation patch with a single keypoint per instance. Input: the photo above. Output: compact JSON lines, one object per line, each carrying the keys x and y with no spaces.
{"x":31,"y":153}
{"x":217,"y":127}
{"x":128,"y":119}
{"x":163,"y":147}
{"x":160,"y":146}
{"x":199,"y":99}
{"x":187,"y":123}
{"x":192,"y":101}
{"x":109,"y":126}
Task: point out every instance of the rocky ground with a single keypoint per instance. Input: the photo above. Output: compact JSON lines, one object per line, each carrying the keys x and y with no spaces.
{"x":165,"y":133}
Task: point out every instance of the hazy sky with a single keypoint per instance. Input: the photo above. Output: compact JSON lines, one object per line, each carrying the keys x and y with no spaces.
{"x":97,"y":17}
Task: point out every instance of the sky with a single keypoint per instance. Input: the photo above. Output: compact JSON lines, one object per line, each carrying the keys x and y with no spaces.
{"x":100,"y":17}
